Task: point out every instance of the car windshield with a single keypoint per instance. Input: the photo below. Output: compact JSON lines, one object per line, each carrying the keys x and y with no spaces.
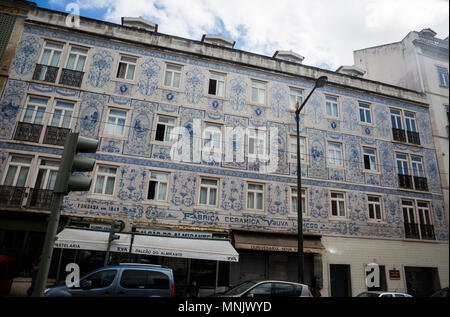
{"x":240,"y":288}
{"x":368,"y":295}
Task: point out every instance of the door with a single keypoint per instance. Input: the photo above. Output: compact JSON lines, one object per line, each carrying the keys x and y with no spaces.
{"x":421,"y":281}
{"x":340,"y":280}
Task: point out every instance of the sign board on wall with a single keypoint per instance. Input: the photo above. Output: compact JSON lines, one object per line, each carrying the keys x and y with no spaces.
{"x":394,"y":274}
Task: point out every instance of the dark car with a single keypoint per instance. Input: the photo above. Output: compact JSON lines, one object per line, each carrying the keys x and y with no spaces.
{"x":441,"y":293}
{"x":268,"y":288}
{"x":124,"y":280}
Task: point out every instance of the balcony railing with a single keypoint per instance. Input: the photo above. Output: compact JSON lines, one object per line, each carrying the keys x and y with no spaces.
{"x":412,"y":230}
{"x":420,"y":183}
{"x":30,"y":132}
{"x":11,"y":196}
{"x":45,"y":73}
{"x":413,"y":137}
{"x":40,"y":198}
{"x":399,"y":135}
{"x":55,"y":135}
{"x":405,"y":181}
{"x":71,"y":77}
{"x":427,"y":232}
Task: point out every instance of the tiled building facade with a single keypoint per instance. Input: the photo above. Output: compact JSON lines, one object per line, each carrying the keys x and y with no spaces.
{"x":128,"y":88}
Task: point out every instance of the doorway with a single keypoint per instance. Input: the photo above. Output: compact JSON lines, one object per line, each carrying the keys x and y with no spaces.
{"x":340,"y":280}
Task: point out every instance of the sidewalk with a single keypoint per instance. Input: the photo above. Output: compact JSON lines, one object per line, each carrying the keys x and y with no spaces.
{"x":21,"y":284}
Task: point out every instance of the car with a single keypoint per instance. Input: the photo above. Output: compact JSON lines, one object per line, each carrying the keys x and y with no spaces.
{"x":441,"y":293}
{"x":382,"y":294}
{"x":124,"y":280}
{"x":268,"y":288}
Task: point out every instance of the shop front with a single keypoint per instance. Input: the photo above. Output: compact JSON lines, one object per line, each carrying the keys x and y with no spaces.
{"x":265,"y":256}
{"x":193,"y":256}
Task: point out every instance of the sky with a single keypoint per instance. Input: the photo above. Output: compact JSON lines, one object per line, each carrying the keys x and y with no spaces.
{"x":325,"y":32}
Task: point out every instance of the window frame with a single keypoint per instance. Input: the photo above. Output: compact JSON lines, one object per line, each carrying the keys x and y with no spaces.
{"x":173,"y":71}
{"x":157,"y":187}
{"x":44,"y":46}
{"x":338,"y":200}
{"x":257,"y":134}
{"x":208,"y":191}
{"x":254,"y":85}
{"x":293,"y":154}
{"x":365,"y":111}
{"x":114,"y":125}
{"x":63,"y":114}
{"x":337,"y":102}
{"x":292,"y":195}
{"x":374,"y":204}
{"x":330,"y":164}
{"x":255,"y":192}
{"x":443,"y":80}
{"x":165,"y":124}
{"x":77,"y":58}
{"x":35,"y":111}
{"x":48,"y":169}
{"x":208,"y":149}
{"x":127,"y":67}
{"x":105,"y":175}
{"x":375,"y":154}
{"x":19,"y":166}
{"x":297,"y":97}
{"x":224,"y":81}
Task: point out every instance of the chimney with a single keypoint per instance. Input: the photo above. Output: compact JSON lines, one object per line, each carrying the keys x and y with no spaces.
{"x":218,"y":39}
{"x":139,"y":23}
{"x":351,"y":70}
{"x":289,"y":56}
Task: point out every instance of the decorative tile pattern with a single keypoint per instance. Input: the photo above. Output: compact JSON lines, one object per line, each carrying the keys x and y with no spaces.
{"x":100,"y":69}
{"x":11,"y":103}
{"x":26,"y":55}
{"x":148,"y":80}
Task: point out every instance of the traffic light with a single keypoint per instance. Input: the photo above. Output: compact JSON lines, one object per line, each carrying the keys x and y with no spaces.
{"x":116,"y":226}
{"x":71,"y":162}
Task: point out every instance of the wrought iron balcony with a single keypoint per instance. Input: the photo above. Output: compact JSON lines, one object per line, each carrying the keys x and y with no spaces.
{"x":420,"y":183}
{"x":11,"y":196}
{"x":40,"y":198}
{"x":71,"y":77}
{"x":427,"y":232}
{"x":413,"y":137}
{"x":411,"y":230}
{"x":55,"y":135}
{"x":405,"y":181}
{"x":45,"y":73}
{"x":399,"y":135}
{"x":30,"y":132}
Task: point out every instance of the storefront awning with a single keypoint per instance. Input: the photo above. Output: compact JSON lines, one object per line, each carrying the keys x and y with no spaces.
{"x":276,"y":242}
{"x":202,"y":249}
{"x":91,"y":240}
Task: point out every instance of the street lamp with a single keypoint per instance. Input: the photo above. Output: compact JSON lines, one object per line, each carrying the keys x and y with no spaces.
{"x":320,"y":82}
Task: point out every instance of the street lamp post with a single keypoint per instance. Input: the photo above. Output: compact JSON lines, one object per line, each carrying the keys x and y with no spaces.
{"x":320,"y":82}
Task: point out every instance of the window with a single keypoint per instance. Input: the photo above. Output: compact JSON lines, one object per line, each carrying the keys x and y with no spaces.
{"x":402,"y":164}
{"x":255,"y":196}
{"x":212,"y":137}
{"x":407,"y":163}
{"x":127,"y":66}
{"x":294,"y":201}
{"x":332,"y":108}
{"x":51,"y":54}
{"x":374,"y":203}
{"x":417,"y":166}
{"x":101,"y":279}
{"x":105,"y":180}
{"x":164,"y":129}
{"x":216,"y":85}
{"x":18,"y":169}
{"x":337,"y":204}
{"x":396,"y":119}
{"x":262,"y":290}
{"x":335,"y":154}
{"x":46,"y":178}
{"x":420,"y":225}
{"x":208,"y":192}
{"x":364,"y":113}
{"x":425,"y":220}
{"x":34,"y":113}
{"x":443,"y":76}
{"x":293,"y":148}
{"x":294,"y":96}
{"x":157,"y":187}
{"x":256,"y":142}
{"x":258,"y":92}
{"x":115,"y":124}
{"x":411,"y":231}
{"x":172,"y":76}
{"x":400,"y":119}
{"x":143,"y":279}
{"x":370,"y":159}
{"x":77,"y":58}
{"x":62,"y":114}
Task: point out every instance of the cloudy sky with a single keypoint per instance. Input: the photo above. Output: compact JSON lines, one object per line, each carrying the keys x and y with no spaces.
{"x":325,"y":32}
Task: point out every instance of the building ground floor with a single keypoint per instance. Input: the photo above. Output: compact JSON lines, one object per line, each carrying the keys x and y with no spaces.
{"x":333,"y":266}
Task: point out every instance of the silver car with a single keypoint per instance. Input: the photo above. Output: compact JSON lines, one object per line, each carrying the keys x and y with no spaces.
{"x":382,"y":294}
{"x":268,"y":288}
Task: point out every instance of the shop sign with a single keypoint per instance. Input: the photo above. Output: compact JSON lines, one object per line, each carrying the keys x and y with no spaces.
{"x":394,"y":274}
{"x":175,"y":234}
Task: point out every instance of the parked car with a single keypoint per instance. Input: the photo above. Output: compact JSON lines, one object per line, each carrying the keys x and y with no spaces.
{"x":382,"y":294}
{"x":441,"y":293}
{"x":124,"y":280}
{"x":268,"y":288}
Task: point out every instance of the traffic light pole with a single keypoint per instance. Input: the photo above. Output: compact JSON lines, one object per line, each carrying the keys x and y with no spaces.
{"x":50,"y":237}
